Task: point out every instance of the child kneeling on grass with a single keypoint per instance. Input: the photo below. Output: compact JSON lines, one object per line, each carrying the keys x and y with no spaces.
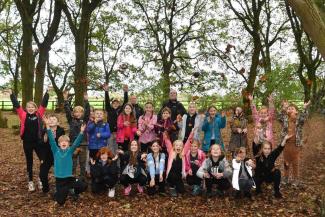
{"x":64,"y":181}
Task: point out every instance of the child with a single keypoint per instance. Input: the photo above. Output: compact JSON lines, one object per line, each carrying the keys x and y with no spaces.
{"x":62,"y":153}
{"x":126,"y":127}
{"x":76,"y":117}
{"x":47,"y":155}
{"x":176,"y":163}
{"x":146,"y":125}
{"x":156,"y":166}
{"x":238,"y":126}
{"x":98,"y":132}
{"x":133,"y":168}
{"x":292,"y":123}
{"x":265,"y":170}
{"x":166,"y":125}
{"x":113,"y":110}
{"x":31,"y":131}
{"x":104,"y":172}
{"x":211,"y":128}
{"x":193,"y":161}
{"x":242,"y":180}
{"x":265,"y":117}
{"x":189,"y":121}
{"x":215,"y":170}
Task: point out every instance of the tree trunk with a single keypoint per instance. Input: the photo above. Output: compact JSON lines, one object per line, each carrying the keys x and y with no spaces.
{"x":40,"y":74}
{"x":311,"y":21}
{"x":60,"y":101}
{"x":27,"y":62}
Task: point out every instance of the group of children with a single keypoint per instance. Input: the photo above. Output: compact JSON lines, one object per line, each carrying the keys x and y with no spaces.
{"x":148,"y":150}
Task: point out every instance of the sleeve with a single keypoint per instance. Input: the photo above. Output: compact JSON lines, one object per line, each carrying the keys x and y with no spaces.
{"x":52,"y":142}
{"x":90,"y":126}
{"x":256,"y":148}
{"x":87,"y":111}
{"x":221,"y":121}
{"x":188,"y":143}
{"x":95,"y":170}
{"x":254,"y":112}
{"x":108,"y":107}
{"x":162,"y":164}
{"x":303,"y":116}
{"x":205,"y":125}
{"x":153,"y":122}
{"x":14,"y":101}
{"x":125,"y":98}
{"x":169,"y":145}
{"x":107,"y":133}
{"x":68,"y":110}
{"x":281,"y":116}
{"x":151,"y":166}
{"x":120,"y":124}
{"x":77,"y":141}
{"x":140,"y":124}
{"x":227,"y":173}
{"x":45,"y":100}
{"x":202,"y":169}
{"x":232,"y":126}
{"x":276,"y":152}
{"x":271,"y":111}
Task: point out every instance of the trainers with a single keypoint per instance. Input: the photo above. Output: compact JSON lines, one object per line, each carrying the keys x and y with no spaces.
{"x":31,"y":186}
{"x":40,"y":185}
{"x":140,"y":189}
{"x":111,"y":192}
{"x":285,"y":181}
{"x":196,"y":190}
{"x":173,"y":192}
{"x":127,"y":190}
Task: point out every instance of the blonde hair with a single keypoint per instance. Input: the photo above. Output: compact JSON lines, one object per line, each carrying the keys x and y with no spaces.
{"x":174,"y":143}
{"x":32,"y":103}
{"x":63,"y":138}
{"x":78,"y":109}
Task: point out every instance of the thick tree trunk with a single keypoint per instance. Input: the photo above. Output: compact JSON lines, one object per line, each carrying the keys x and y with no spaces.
{"x":311,"y":21}
{"x":40,"y":74}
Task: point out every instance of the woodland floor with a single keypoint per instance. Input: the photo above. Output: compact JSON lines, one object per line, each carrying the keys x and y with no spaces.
{"x":15,"y":200}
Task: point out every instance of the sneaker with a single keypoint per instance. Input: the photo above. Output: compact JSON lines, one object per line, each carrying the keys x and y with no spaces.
{"x":196,"y":190}
{"x":140,"y":189}
{"x":127,"y":190}
{"x":31,"y":186}
{"x":285,"y":181}
{"x":40,"y":185}
{"x":73,"y":194}
{"x":278,"y":195}
{"x":173,"y":192}
{"x":111,"y":192}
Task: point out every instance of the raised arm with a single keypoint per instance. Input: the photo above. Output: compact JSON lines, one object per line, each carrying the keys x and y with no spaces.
{"x":221,"y":119}
{"x":188,"y":142}
{"x":16,"y":105}
{"x":126,"y":94}
{"x":67,"y":106}
{"x":79,"y":138}
{"x":87,"y":108}
{"x":168,"y":143}
{"x":271,"y":109}
{"x":253,"y":108}
{"x":44,"y":103}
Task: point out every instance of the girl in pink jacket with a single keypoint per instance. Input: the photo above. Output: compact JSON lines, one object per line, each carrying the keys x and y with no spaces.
{"x":176,"y":163}
{"x":146,"y":128}
{"x":264,"y":117}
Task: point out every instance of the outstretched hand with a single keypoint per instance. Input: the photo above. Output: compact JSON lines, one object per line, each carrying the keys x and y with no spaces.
{"x":105,"y":87}
{"x":46,"y":121}
{"x":125,"y":88}
{"x":307,"y":104}
{"x":65,"y":95}
{"x":82,"y":128}
{"x":250,"y":97}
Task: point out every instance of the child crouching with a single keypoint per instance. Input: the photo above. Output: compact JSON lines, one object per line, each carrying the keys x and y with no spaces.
{"x":64,"y":181}
{"x":104,"y":172}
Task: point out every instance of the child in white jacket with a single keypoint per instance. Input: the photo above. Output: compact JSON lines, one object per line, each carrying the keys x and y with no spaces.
{"x":242,"y":180}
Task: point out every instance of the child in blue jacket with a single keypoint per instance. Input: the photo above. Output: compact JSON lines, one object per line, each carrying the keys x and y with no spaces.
{"x":62,"y":153}
{"x":212,"y":124}
{"x":98,"y":133}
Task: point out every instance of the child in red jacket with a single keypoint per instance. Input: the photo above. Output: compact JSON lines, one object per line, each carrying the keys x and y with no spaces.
{"x":31,"y":131}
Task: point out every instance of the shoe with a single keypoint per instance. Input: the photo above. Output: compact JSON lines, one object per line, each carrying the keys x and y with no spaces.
{"x":31,"y":186}
{"x":285,"y":181}
{"x":173,"y":192}
{"x":278,"y":195}
{"x":140,"y":189}
{"x":127,"y":190}
{"x":196,"y":190}
{"x":40,"y":185}
{"x":111,"y":192}
{"x":73,"y":194}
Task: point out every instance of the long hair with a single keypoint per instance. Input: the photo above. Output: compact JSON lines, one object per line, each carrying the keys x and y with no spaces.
{"x":132,"y":115}
{"x":148,"y":103}
{"x":134,"y":156}
{"x":174,"y":143}
{"x":260,"y":152}
{"x":222,"y":152}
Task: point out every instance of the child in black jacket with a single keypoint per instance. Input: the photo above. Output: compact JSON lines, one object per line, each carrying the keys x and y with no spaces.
{"x":265,"y":170}
{"x":104,"y":172}
{"x":46,"y":153}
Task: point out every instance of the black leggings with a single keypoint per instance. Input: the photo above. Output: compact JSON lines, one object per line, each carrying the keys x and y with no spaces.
{"x":46,"y":164}
{"x":29,"y":147}
{"x":274,"y":176}
{"x":175,"y":181}
{"x":126,"y":180}
{"x":64,"y":185}
{"x":104,"y":184}
{"x":152,"y":190}
{"x":193,"y":179}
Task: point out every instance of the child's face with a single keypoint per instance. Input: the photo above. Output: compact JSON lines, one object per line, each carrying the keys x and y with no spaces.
{"x":127,"y":110}
{"x":212,"y":112}
{"x":178,"y":147}
{"x":134,"y":146}
{"x":104,"y":157}
{"x":242,"y":154}
{"x":238,"y":111}
{"x":192,"y":109}
{"x":165,"y":115}
{"x":78,"y":114}
{"x":292,"y":111}
{"x":215,"y":151}
{"x":53,"y":122}
{"x":99,"y":115}
{"x":115,"y":104}
{"x":266,"y":149}
{"x":263,"y":113}
{"x":155,"y":147}
{"x":30,"y":108}
{"x":258,"y":126}
{"x":149,"y":108}
{"x":64,"y":144}
{"x":194,"y":148}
